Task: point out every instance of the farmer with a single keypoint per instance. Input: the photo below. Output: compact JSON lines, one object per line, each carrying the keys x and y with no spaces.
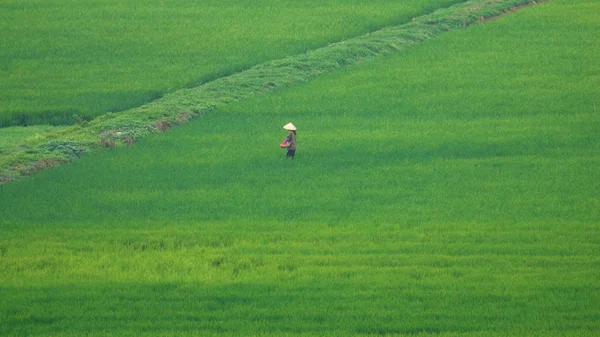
{"x":291,"y":140}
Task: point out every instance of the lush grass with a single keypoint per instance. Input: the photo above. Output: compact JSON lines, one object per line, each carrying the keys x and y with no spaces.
{"x":450,"y":190}
{"x":60,"y":58}
{"x":248,"y":278}
{"x":12,"y":137}
{"x":30,"y":155}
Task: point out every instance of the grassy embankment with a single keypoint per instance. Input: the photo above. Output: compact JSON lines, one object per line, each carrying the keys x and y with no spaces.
{"x":42,"y":150}
{"x":64,"y":58}
{"x":451,"y":190}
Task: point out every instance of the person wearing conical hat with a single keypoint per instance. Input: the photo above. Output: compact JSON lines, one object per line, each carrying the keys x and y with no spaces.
{"x":291,"y":139}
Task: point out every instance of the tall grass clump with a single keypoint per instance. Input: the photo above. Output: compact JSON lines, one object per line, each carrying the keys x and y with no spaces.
{"x":450,"y":190}
{"x":62,"y":58}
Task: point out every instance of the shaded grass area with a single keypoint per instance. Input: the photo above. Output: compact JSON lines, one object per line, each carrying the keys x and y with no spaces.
{"x":448,"y":190}
{"x":64,"y":58}
{"x":180,"y":107}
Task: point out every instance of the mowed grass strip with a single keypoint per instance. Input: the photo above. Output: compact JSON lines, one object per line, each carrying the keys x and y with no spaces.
{"x":436,"y":192}
{"x":62,"y":58}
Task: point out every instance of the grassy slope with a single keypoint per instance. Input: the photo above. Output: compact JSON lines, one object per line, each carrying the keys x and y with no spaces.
{"x":450,"y":190}
{"x":62,"y":57}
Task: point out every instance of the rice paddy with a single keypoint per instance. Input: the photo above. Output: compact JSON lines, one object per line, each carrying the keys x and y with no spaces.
{"x":448,"y":190}
{"x":65,"y":60}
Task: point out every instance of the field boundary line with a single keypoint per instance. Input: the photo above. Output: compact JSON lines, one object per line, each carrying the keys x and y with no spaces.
{"x":184,"y":105}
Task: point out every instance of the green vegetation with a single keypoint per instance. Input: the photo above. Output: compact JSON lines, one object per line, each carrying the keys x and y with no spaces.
{"x":183,"y":105}
{"x":13,"y":136}
{"x":62,"y":58}
{"x":451,"y":190}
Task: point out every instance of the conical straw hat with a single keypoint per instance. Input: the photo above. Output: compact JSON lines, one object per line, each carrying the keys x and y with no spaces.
{"x":290,"y":127}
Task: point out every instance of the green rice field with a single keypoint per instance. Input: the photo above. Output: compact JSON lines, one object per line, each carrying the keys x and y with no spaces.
{"x":63,"y":58}
{"x":451,"y":189}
